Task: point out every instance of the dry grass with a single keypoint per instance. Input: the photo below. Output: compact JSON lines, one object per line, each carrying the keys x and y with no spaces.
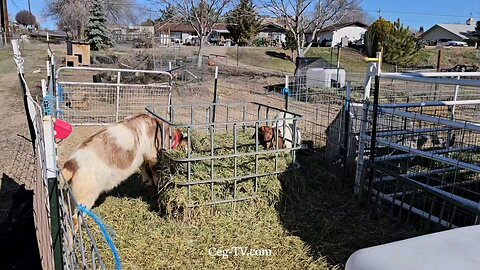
{"x":312,"y":225}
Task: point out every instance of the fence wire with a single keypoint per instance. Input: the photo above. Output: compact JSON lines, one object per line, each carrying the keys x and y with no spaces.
{"x":62,"y":245}
{"x":420,"y":160}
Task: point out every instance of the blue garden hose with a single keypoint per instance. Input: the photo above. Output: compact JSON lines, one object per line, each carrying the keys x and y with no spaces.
{"x":105,"y":233}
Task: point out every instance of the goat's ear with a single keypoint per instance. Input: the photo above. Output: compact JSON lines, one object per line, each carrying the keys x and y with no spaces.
{"x":179,"y":133}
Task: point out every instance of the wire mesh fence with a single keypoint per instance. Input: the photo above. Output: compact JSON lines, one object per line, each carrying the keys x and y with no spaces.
{"x":62,"y":244}
{"x":423,"y":157}
{"x":112,"y":97}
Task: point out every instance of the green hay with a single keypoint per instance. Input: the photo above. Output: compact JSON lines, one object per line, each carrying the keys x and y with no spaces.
{"x":174,"y":199}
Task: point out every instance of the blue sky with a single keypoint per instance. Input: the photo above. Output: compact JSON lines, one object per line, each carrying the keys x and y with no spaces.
{"x":414,"y":13}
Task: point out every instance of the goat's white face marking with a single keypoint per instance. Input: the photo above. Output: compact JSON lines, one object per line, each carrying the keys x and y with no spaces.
{"x":123,"y":136}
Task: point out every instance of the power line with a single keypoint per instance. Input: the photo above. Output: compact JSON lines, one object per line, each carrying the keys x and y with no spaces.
{"x":16,"y":6}
{"x":415,"y":13}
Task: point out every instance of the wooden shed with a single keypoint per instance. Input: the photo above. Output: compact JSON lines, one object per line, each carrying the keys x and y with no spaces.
{"x":78,"y":53}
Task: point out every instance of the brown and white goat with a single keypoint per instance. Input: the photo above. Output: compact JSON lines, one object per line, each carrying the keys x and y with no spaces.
{"x":267,"y":136}
{"x":110,"y":156}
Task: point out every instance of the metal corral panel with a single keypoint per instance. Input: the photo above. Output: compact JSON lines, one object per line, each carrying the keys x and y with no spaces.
{"x":454,"y":249}
{"x":325,"y":77}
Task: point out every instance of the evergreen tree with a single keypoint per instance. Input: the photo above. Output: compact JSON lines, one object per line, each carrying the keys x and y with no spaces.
{"x":96,"y":31}
{"x":243,"y":22}
{"x":376,"y":35}
{"x":476,"y":34}
{"x":400,"y":46}
{"x":167,"y":14}
{"x":290,"y":42}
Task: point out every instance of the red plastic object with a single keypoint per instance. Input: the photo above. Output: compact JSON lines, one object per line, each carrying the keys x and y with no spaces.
{"x":62,"y":129}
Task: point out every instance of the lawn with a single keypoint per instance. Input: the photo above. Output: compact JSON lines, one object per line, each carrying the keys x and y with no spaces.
{"x":267,"y":58}
{"x":351,"y":60}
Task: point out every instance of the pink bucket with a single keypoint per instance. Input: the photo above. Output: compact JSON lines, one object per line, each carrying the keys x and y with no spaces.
{"x":62,"y":129}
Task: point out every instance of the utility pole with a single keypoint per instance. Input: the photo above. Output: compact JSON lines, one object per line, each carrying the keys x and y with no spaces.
{"x":4,"y":21}
{"x":379,"y":11}
{"x":30,"y":11}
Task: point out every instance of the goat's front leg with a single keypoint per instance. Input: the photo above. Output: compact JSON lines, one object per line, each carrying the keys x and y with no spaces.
{"x":146,"y":170}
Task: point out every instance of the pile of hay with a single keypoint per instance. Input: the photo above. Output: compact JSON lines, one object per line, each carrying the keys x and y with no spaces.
{"x":312,"y":226}
{"x":174,"y":198}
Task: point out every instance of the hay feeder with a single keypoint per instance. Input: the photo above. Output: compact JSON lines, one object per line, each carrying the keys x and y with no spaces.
{"x":224,"y":162}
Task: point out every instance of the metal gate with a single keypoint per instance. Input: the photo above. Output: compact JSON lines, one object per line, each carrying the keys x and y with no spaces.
{"x":421,"y":160}
{"x":99,"y":96}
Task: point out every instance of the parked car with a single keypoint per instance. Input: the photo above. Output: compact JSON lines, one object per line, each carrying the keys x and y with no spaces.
{"x":456,"y":44}
{"x":442,"y":42}
{"x":176,"y":40}
{"x":462,"y":68}
{"x":192,"y":41}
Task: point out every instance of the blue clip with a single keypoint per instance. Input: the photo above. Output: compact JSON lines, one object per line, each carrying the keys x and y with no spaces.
{"x":286,"y":91}
{"x":48,"y":102}
{"x":60,"y":93}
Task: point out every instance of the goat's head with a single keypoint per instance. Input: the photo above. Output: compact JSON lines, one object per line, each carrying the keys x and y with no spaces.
{"x":267,"y":136}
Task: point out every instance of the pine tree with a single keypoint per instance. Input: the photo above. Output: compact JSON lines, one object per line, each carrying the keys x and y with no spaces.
{"x":290,"y":42}
{"x":400,"y":47}
{"x":376,"y":35}
{"x":167,"y":14}
{"x":243,"y":22}
{"x":96,"y":31}
{"x":476,"y":34}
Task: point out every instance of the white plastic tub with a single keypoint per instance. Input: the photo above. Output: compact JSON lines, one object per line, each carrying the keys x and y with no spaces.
{"x":457,"y":249}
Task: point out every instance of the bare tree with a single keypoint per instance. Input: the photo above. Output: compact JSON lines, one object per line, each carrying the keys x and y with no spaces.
{"x":311,"y":15}
{"x":24,"y":17}
{"x":202,"y":15}
{"x":357,"y":14}
{"x":72,"y":15}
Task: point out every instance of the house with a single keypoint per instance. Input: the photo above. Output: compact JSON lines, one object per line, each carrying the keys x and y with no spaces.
{"x":455,"y":32}
{"x":53,"y":35}
{"x":273,"y":30}
{"x":184,"y":33}
{"x":131,"y":33}
{"x":351,"y":32}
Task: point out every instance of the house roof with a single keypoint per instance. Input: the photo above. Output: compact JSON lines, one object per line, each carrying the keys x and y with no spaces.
{"x":185,"y":27}
{"x":463,"y":31}
{"x":337,"y":26}
{"x":174,"y":27}
{"x":51,"y":33}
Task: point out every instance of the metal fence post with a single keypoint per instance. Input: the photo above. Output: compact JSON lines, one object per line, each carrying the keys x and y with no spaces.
{"x":286,"y":92}
{"x":374,"y":135}
{"x":215,"y":97}
{"x":118,"y":97}
{"x":358,"y":188}
{"x":53,"y":192}
{"x":346,"y":131}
